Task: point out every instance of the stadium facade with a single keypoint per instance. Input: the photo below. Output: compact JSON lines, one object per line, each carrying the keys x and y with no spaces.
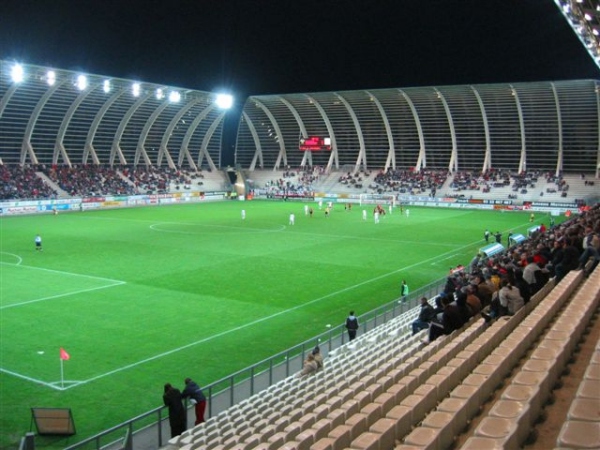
{"x":550,"y":126}
{"x":52,"y":116}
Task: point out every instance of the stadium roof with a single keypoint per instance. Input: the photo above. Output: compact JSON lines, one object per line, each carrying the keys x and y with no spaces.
{"x":54,"y":116}
{"x":584,"y":18}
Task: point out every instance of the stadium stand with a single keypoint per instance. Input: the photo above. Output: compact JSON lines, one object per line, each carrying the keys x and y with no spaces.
{"x":387,"y":391}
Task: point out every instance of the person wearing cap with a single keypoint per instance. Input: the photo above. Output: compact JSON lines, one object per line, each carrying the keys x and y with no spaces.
{"x":197,"y":398}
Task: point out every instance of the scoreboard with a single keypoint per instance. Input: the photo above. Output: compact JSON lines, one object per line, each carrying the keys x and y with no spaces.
{"x":315,"y":144}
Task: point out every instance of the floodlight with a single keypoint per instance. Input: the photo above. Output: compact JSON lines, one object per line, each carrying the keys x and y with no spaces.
{"x":224,"y":101}
{"x":160,"y":94}
{"x":81,"y":82}
{"x":51,"y":77}
{"x":17,"y":73}
{"x":136,"y":89}
{"x":174,"y":96}
{"x":106,"y":86}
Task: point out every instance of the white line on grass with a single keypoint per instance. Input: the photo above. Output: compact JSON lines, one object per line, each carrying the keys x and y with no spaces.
{"x":64,"y":273}
{"x":19,"y":259}
{"x":52,"y":385}
{"x":66,"y":294}
{"x":263,"y":319}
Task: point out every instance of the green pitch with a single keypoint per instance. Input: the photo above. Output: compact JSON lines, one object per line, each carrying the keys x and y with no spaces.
{"x":140,"y":297}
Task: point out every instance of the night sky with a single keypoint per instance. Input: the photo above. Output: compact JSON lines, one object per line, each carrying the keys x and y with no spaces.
{"x":254,"y":47}
{"x":285,"y":46}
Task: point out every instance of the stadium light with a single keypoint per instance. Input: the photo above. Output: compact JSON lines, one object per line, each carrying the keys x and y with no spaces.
{"x":174,"y":96}
{"x":81,"y":82}
{"x":51,"y":77}
{"x":106,"y":86}
{"x":160,"y":94}
{"x":136,"y":89}
{"x":224,"y":101}
{"x":17,"y":73}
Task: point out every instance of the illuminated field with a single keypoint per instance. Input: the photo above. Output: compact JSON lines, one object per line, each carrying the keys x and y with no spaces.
{"x":141,"y":297}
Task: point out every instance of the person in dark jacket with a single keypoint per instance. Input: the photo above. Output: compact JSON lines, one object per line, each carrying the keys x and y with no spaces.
{"x":452,"y":318}
{"x":197,"y":398}
{"x":172,"y":399}
{"x":425,"y":316}
{"x":352,"y":325}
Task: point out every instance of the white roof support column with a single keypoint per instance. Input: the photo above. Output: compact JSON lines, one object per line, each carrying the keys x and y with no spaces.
{"x":391,"y":158}
{"x":294,"y":112}
{"x":523,"y":160}
{"x":59,"y":146}
{"x":453,"y":166}
{"x":164,"y":148}
{"x":184,"y":151}
{"x":7,"y":96}
{"x":140,"y":149}
{"x":559,"y":160}
{"x":116,"y":144}
{"x":89,"y":142}
{"x":362,"y":154}
{"x":282,"y":154}
{"x":258,"y":153}
{"x":487,"y":161}
{"x":307,"y":157}
{"x":26,"y":148}
{"x":422,"y":160}
{"x":207,"y":137}
{"x":334,"y":157}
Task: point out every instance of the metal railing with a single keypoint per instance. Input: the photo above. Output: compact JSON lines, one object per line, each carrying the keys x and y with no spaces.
{"x":150,"y":430}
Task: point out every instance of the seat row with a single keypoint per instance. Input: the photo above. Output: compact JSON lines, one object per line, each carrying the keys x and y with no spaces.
{"x":582,"y":427}
{"x":354,"y":361}
{"x":347,"y":375}
{"x":440,"y":428}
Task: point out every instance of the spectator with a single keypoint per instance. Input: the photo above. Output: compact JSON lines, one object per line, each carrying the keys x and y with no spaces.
{"x":426,"y":315}
{"x":310,"y":365}
{"x":352,"y":325}
{"x":197,"y":398}
{"x":451,"y":320}
{"x":510,"y":299}
{"x":318,"y":357}
{"x":172,"y":399}
{"x":569,"y":261}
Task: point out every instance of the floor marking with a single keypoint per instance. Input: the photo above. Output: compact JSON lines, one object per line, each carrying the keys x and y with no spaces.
{"x":19,"y":259}
{"x":155,"y":227}
{"x":64,"y":273}
{"x":66,"y":294}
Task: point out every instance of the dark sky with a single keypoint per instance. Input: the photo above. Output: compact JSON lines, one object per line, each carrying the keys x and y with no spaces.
{"x":284,"y":46}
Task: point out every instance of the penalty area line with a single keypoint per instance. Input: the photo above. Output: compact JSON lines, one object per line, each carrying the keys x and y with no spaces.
{"x":67,"y":294}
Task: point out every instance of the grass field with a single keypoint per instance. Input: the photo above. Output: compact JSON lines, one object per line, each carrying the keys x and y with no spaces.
{"x":140,"y":297}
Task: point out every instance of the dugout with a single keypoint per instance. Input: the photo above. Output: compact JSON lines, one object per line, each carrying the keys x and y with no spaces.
{"x":491,"y":250}
{"x":517,"y":238}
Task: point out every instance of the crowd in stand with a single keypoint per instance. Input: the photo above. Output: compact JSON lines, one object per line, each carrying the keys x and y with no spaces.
{"x":502,"y":284}
{"x":295,"y":182}
{"x":88,"y":180}
{"x":425,"y":181}
{"x":21,"y":182}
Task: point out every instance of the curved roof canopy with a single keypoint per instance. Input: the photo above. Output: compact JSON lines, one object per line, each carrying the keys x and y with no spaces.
{"x":52,"y":116}
{"x":551,"y":126}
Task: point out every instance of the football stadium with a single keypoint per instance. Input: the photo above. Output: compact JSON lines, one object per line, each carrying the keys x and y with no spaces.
{"x":379,"y":269}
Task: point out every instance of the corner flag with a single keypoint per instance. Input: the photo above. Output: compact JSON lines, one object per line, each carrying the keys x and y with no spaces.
{"x":64,"y":355}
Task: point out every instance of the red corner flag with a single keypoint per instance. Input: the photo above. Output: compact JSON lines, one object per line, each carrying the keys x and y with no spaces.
{"x":64,"y":355}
